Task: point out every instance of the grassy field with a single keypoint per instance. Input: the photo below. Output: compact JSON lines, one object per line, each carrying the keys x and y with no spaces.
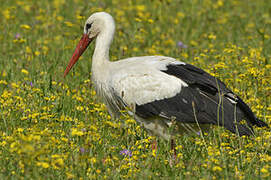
{"x":56,"y":128}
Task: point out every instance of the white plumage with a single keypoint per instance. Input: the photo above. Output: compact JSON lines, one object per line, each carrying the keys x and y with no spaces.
{"x":148,"y":84}
{"x":159,"y":89}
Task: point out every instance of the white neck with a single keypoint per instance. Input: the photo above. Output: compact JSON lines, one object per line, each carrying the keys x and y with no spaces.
{"x":100,"y":58}
{"x":103,"y":42}
{"x":101,"y":52}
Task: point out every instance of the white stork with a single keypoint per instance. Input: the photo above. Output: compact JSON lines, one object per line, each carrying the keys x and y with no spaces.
{"x":158,"y":90}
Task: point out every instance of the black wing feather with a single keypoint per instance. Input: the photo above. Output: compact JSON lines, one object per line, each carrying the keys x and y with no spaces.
{"x":206,"y":100}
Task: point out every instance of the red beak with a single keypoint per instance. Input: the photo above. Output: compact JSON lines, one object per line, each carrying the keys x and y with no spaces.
{"x":79,"y":50}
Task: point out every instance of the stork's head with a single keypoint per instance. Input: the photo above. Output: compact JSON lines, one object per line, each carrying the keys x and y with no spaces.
{"x":94,"y":25}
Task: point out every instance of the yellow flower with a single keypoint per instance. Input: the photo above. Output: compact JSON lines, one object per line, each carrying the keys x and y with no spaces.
{"x":138,"y":19}
{"x":264,"y":170}
{"x":3,"y":82}
{"x":76,"y":132}
{"x":154,"y":153}
{"x":43,"y":164}
{"x":20,"y":129}
{"x":266,"y":36}
{"x":6,"y":14}
{"x":212,"y":36}
{"x":184,"y":55}
{"x":150,"y":21}
{"x":25,"y":26}
{"x":14,"y":85}
{"x":193,"y":43}
{"x":140,"y":8}
{"x":69,"y":175}
{"x":217,"y":168}
{"x":60,"y":18}
{"x":68,"y":23}
{"x":45,"y":49}
{"x":98,"y":171}
{"x":28,"y":50}
{"x":37,"y":53}
{"x":24,"y":71}
{"x":79,"y":108}
{"x":181,"y":14}
{"x":3,"y":143}
{"x":57,"y":163}
{"x":79,"y":17}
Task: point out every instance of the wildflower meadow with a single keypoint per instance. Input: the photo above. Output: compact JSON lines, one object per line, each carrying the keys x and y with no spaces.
{"x":53,"y":127}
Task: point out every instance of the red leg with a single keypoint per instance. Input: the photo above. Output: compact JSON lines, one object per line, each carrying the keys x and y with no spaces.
{"x":173,"y":145}
{"x":154,"y":145}
{"x":173,"y":159}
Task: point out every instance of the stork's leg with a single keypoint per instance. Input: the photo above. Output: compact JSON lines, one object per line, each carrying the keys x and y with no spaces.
{"x":173,"y":149}
{"x":173,"y":159}
{"x":154,"y":145}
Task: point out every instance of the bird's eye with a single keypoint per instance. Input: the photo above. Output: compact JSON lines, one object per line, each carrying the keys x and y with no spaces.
{"x":88,"y":26}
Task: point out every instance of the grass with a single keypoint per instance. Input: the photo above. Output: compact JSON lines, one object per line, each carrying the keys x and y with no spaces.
{"x":55,"y":128}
